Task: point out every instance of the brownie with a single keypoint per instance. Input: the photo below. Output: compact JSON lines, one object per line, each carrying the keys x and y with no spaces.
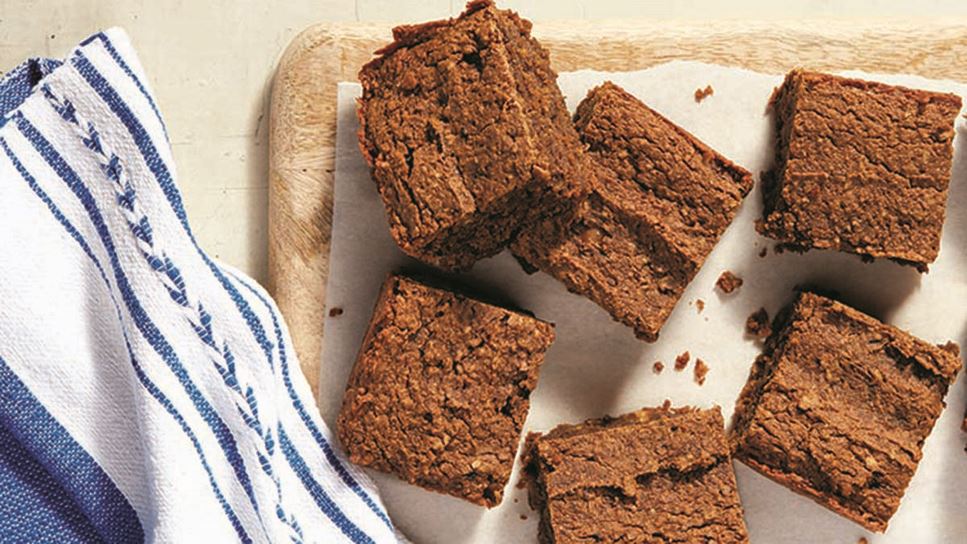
{"x":757,"y":324}
{"x":728,"y":282}
{"x":838,"y":407}
{"x":440,"y":389}
{"x":468,"y":136}
{"x":657,"y":475}
{"x":660,"y":201}
{"x":861,"y":167}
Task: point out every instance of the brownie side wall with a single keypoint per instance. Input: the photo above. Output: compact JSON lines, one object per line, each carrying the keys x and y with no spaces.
{"x":783,"y":105}
{"x":760,"y":374}
{"x":563,"y":163}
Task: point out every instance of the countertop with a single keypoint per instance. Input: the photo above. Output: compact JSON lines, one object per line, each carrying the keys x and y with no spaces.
{"x":211,"y":64}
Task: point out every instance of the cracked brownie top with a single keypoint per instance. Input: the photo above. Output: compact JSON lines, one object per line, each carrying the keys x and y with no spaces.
{"x":861,"y":167}
{"x":839,"y":405}
{"x":441,"y":388}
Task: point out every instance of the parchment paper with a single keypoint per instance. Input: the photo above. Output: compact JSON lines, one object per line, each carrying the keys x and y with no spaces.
{"x":597,"y":367}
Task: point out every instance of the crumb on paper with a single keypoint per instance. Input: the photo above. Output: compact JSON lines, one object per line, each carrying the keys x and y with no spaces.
{"x":523,"y":517}
{"x":862,"y":540}
{"x":681,"y":361}
{"x":763,"y":252}
{"x":702,"y":94}
{"x":700,"y":304}
{"x":757,"y":325}
{"x":335,"y":312}
{"x":658,"y":367}
{"x":728,"y":282}
{"x":667,"y":404}
{"x":701,"y":370}
{"x":516,"y":500}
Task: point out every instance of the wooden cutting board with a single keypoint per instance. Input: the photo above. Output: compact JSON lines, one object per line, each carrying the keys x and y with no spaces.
{"x":303,"y":109}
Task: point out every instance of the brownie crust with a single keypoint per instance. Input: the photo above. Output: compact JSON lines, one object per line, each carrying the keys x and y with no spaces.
{"x":657,"y":475}
{"x":440,"y":390}
{"x":861,"y":167}
{"x":468,"y":136}
{"x":838,"y":407}
{"x":660,"y":202}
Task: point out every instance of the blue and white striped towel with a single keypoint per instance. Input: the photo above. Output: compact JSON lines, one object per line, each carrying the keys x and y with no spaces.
{"x":147,"y":393}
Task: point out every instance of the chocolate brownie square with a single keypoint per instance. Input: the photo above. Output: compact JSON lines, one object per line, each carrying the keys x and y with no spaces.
{"x":838,"y":407}
{"x":441,"y":388}
{"x":660,"y":201}
{"x":656,"y":475}
{"x":468,"y":136}
{"x":861,"y":167}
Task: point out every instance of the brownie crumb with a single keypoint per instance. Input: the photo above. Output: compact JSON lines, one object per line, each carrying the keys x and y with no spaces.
{"x":702,"y":94}
{"x":666,"y":405}
{"x":862,"y":540}
{"x":757,"y":325}
{"x":701,"y":370}
{"x":700,"y":304}
{"x":523,"y":517}
{"x":335,"y":312}
{"x":658,"y":367}
{"x":763,"y":252}
{"x":728,"y":282}
{"x":681,"y":361}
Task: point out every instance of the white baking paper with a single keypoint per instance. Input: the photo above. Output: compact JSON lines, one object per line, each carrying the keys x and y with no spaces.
{"x":596,"y":366}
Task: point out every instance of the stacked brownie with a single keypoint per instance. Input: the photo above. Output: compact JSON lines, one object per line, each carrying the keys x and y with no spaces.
{"x":659,"y":204}
{"x":468,"y":136}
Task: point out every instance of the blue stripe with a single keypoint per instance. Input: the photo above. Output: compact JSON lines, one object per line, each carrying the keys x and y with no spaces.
{"x":160,"y":170}
{"x":119,"y":60}
{"x":18,"y":84}
{"x":311,"y":426}
{"x":141,"y":319}
{"x":33,"y":506}
{"x":322,"y":499}
{"x":142,"y":377}
{"x":161,"y":173}
{"x":91,"y":489}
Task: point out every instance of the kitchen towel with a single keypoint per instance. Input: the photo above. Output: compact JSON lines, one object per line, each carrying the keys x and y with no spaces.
{"x":147,"y":392}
